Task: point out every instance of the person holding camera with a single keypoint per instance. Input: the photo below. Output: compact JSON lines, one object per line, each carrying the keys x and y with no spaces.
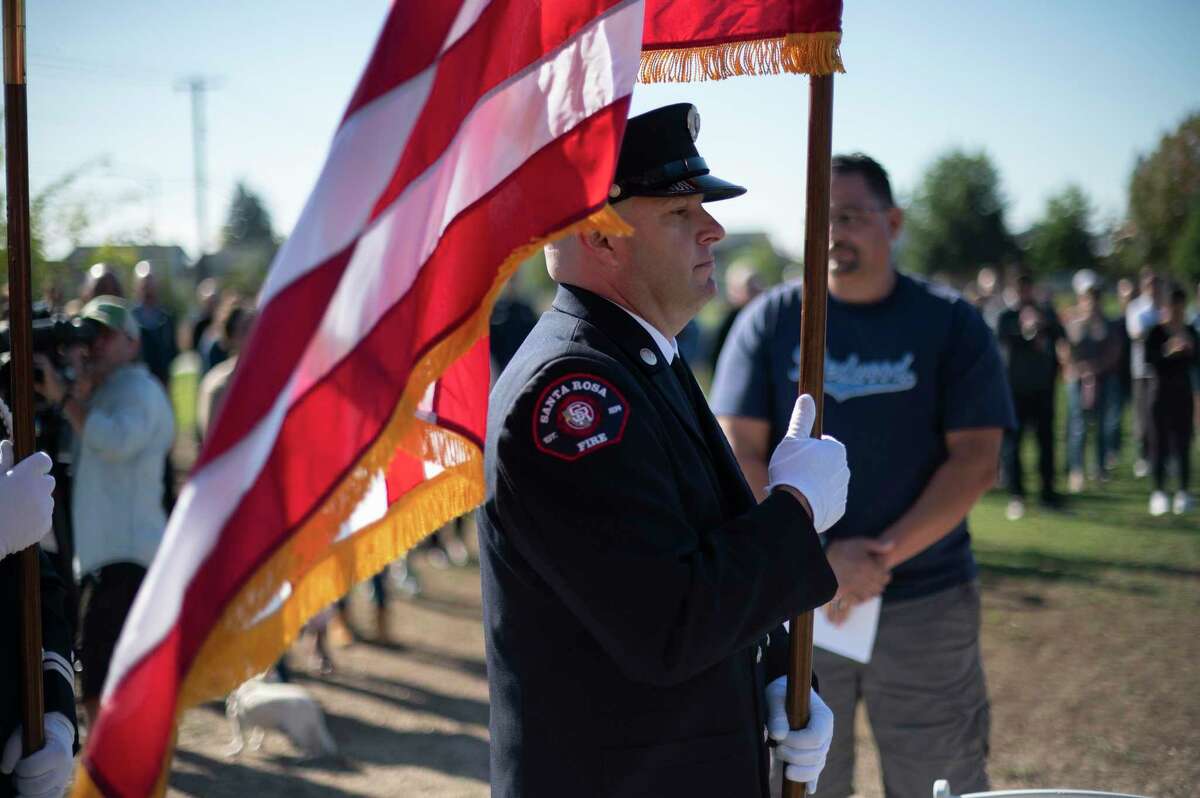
{"x":26,"y":504}
{"x":124,"y":427}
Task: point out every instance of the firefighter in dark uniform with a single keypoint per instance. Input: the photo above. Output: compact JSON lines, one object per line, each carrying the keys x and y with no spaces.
{"x":25,"y":508}
{"x":633,"y":591}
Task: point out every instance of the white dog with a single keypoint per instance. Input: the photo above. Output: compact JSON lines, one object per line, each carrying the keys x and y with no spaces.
{"x":289,"y":708}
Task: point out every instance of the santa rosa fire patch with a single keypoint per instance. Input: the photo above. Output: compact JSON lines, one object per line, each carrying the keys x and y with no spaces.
{"x":578,"y":414}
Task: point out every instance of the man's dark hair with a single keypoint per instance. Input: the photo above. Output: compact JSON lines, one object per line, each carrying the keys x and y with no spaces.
{"x":876,"y":176}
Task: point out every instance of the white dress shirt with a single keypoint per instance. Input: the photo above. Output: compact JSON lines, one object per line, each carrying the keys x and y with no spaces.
{"x":667,"y":346}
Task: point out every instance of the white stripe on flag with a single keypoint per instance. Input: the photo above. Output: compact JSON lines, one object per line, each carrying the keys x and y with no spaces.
{"x":508,"y":126}
{"x":468,"y":15}
{"x":361,"y":160}
{"x":500,"y":134}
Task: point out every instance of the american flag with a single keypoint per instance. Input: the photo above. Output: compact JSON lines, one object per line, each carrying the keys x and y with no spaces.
{"x":354,"y":421}
{"x":479,"y":130}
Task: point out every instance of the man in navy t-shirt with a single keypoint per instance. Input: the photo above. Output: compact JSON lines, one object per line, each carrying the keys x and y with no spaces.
{"x":915,"y":388}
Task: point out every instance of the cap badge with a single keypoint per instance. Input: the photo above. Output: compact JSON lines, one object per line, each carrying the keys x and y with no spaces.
{"x":693,"y":122}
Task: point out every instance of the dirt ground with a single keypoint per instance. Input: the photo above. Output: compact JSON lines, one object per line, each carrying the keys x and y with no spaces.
{"x":1092,"y":685}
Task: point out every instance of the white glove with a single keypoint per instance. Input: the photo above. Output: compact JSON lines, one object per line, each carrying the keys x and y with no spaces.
{"x":816,"y":468}
{"x":26,"y":500}
{"x":802,"y":751}
{"x":44,"y":773}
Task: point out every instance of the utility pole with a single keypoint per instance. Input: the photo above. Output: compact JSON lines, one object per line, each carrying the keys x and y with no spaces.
{"x":197,"y":85}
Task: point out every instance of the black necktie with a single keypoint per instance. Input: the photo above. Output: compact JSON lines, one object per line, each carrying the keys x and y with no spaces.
{"x":721,"y":457}
{"x":688,"y":385}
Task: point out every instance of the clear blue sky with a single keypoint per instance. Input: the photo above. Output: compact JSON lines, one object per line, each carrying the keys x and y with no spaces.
{"x":1055,"y":92}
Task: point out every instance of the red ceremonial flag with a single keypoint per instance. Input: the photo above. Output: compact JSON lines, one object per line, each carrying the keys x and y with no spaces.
{"x":353,"y":426}
{"x":687,"y":40}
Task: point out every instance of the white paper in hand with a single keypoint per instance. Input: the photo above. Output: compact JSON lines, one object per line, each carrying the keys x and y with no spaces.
{"x":855,"y":638}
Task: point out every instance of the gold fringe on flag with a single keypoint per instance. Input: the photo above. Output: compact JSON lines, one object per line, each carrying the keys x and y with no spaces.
{"x":247,"y":639}
{"x":798,"y":53}
{"x":320,"y":570}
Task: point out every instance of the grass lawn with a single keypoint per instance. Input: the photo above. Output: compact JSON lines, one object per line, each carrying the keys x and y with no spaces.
{"x":185,"y":379}
{"x":1090,"y":638}
{"x":1091,"y":641}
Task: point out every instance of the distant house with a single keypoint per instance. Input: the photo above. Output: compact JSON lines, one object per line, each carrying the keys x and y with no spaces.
{"x":168,"y":260}
{"x":232,"y":259}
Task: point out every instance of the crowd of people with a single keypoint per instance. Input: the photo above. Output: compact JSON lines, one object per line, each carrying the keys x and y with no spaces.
{"x":107,"y":424}
{"x":1132,"y":347}
{"x":711,"y":506}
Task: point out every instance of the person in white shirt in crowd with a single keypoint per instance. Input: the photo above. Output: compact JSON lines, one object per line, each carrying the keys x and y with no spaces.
{"x":1140,"y":316}
{"x":124,"y":427}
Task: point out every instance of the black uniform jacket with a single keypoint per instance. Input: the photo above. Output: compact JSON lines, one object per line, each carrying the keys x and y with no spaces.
{"x":633,"y":590}
{"x":58,"y":693}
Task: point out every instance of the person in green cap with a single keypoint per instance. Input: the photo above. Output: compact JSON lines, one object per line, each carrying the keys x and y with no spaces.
{"x":124,"y":427}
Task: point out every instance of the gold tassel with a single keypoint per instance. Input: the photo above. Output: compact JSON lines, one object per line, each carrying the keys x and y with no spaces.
{"x":797,"y":53}
{"x":320,"y":570}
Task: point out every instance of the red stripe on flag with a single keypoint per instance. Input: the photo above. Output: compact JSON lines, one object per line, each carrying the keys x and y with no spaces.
{"x":458,"y":401}
{"x":349,"y":408}
{"x":470,"y":69}
{"x":465,"y":73}
{"x":404,"y":474}
{"x":298,"y":309}
{"x":677,"y":24}
{"x":422,"y":27}
{"x":126,"y":747}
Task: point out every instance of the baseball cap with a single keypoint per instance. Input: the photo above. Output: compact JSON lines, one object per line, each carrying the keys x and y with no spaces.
{"x":111,"y":312}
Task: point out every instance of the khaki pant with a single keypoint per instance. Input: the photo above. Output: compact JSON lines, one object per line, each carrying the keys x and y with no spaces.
{"x":925,"y":696}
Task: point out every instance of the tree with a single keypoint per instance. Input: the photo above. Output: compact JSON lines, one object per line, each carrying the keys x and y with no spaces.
{"x":955,"y":221}
{"x":249,"y":242}
{"x":248,"y":221}
{"x":1185,"y":252}
{"x":62,"y":215}
{"x":1062,"y":240}
{"x":1163,"y":191}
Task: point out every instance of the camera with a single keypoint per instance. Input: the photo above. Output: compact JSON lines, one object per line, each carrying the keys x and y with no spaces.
{"x":51,"y":334}
{"x":53,"y":331}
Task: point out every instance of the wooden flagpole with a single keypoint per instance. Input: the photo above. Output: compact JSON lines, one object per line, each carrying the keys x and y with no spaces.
{"x":21,"y":339}
{"x":812,"y":358}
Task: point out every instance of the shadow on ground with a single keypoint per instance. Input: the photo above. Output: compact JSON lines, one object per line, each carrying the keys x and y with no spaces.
{"x":217,"y":777}
{"x":454,"y":754}
{"x":410,"y":698}
{"x":995,"y":563}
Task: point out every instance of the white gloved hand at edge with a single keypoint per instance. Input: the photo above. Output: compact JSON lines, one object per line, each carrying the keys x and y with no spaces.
{"x":45,"y":772}
{"x":802,"y":751}
{"x":815,"y":467}
{"x":26,"y":499}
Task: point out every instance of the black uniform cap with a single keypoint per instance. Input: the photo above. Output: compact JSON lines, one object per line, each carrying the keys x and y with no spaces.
{"x":659,"y":158}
